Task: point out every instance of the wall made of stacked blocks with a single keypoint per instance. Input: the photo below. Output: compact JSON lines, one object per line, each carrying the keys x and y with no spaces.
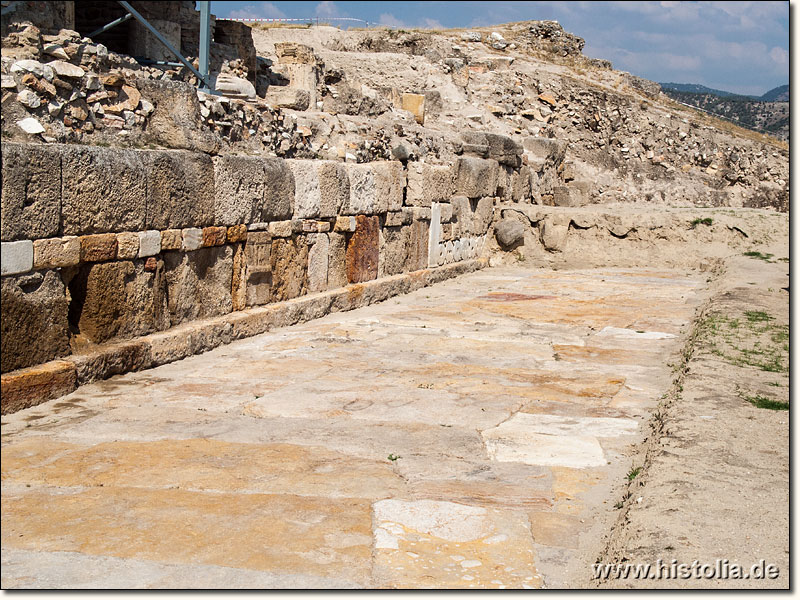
{"x":101,"y":244}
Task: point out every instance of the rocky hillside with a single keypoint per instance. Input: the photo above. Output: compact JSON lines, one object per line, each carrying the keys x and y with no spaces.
{"x":768,"y":114}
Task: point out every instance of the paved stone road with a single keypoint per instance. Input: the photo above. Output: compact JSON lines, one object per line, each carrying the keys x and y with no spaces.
{"x":465,"y":435}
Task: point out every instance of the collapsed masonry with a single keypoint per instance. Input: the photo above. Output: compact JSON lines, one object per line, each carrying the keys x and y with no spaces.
{"x":143,"y":221}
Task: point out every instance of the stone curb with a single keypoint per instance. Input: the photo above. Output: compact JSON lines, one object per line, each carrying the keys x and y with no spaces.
{"x":28,"y":387}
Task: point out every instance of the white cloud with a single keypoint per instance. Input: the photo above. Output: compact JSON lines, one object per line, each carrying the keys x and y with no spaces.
{"x":327,"y":9}
{"x":390,"y":20}
{"x":263,"y":10}
{"x":779,"y":55}
{"x":431,"y":24}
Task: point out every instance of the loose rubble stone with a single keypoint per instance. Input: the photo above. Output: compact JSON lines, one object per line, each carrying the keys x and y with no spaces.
{"x":509,"y":232}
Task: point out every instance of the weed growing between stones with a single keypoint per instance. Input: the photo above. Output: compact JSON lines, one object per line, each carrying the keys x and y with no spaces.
{"x":706,"y":221}
{"x":760,"y":401}
{"x":758,"y":255}
{"x":753,"y":341}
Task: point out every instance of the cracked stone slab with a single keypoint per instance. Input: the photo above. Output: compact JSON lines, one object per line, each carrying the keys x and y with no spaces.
{"x":464,"y":546}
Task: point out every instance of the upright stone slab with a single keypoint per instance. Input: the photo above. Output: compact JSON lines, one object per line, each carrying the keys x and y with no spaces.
{"x":180,"y":189}
{"x":475,"y":177}
{"x":435,"y":236}
{"x":428,"y":183}
{"x":103,"y":190}
{"x":258,"y":273}
{"x":199,"y":283}
{"x":289,"y":266}
{"x":337,"y":260}
{"x":31,"y":191}
{"x":34,"y":320}
{"x":117,"y":300}
{"x":318,"y":263}
{"x":362,"y":250}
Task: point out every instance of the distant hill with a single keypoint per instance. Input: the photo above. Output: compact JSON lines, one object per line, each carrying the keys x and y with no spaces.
{"x":779,"y":94}
{"x":696,"y":88}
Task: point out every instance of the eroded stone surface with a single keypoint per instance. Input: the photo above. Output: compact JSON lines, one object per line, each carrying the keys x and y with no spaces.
{"x":468,"y":434}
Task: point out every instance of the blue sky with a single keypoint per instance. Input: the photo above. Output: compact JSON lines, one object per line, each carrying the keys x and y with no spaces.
{"x":736,"y":46}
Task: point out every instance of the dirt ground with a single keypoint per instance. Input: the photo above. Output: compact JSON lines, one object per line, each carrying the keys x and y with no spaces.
{"x":714,"y":478}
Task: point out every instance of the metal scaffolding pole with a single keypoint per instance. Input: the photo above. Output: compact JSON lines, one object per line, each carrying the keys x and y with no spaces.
{"x":205,"y":42}
{"x":203,"y":79}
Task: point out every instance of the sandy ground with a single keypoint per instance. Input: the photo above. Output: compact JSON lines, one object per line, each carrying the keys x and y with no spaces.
{"x":715,"y":481}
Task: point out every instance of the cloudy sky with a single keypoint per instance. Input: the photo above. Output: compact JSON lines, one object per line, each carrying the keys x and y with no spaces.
{"x":740,"y":47}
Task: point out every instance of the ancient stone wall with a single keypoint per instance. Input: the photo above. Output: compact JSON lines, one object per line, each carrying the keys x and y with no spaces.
{"x":102,"y":245}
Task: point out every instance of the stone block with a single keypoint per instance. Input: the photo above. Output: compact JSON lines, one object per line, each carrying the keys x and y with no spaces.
{"x":501,"y":148}
{"x":103,"y":190}
{"x":306,"y":189}
{"x":149,"y":243}
{"x":289,"y":267}
{"x":282,"y":229}
{"x":31,"y":191}
{"x":192,"y":238}
{"x":544,"y":152}
{"x":318,"y":264}
{"x":16,"y":257}
{"x":345,"y":224}
{"x":237,"y":233}
{"x":394,"y":250}
{"x":334,"y":187}
{"x":34,"y":322}
{"x":475,"y":177}
{"x":362,"y":250}
{"x":278,"y":201}
{"x":566,"y":196}
{"x":117,"y":300}
{"x":363,"y":195}
{"x":127,"y":245}
{"x":337,"y":260}
{"x":428,"y":183}
{"x":239,"y":279}
{"x":56,"y":252}
{"x":239,"y":187}
{"x":199,"y":283}
{"x":97,"y":248}
{"x":214,"y":236}
{"x":418,"y":246}
{"x":34,"y":385}
{"x":287,"y":97}
{"x":553,"y":231}
{"x":415,"y":104}
{"x":172,"y":239}
{"x":258,"y":274}
{"x":390,"y":181}
{"x":180,"y":189}
{"x":509,"y":232}
{"x":399,"y":218}
{"x":316,"y":227}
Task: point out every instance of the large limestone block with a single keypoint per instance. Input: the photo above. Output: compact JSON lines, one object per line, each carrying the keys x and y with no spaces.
{"x":362,"y":250}
{"x":501,"y":148}
{"x":289,"y":267}
{"x":278,"y":201}
{"x":180,"y":189}
{"x":390,"y":180}
{"x":471,"y":217}
{"x":475,"y":177}
{"x":415,"y":104}
{"x":117,"y":300}
{"x":252,"y":190}
{"x":428,"y":183}
{"x":509,"y":232}
{"x":363,"y":197}
{"x":544,"y":152}
{"x":321,"y":188}
{"x":258,"y":275}
{"x":394,"y":250}
{"x":103,"y":190}
{"x":375,"y":188}
{"x":176,"y":121}
{"x":418,"y":245}
{"x":199,"y":283}
{"x":34,"y":320}
{"x":31,"y":191}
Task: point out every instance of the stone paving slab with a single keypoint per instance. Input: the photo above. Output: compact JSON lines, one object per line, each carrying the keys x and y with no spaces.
{"x":467,"y":435}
